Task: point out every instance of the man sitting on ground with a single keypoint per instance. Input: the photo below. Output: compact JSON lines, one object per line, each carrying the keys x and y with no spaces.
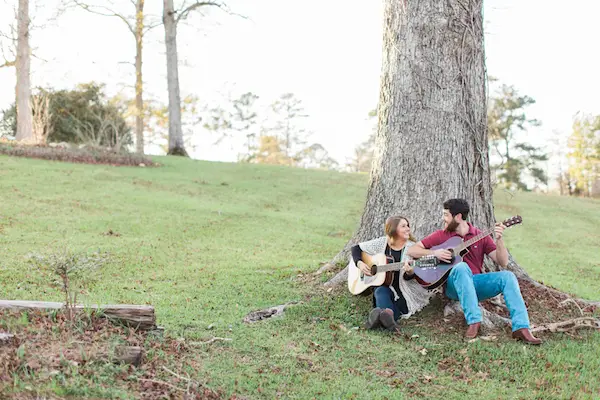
{"x":467,"y":283}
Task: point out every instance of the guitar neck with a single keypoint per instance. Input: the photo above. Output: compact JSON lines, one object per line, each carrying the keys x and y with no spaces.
{"x":469,"y":242}
{"x":506,"y":223}
{"x":397,"y":266}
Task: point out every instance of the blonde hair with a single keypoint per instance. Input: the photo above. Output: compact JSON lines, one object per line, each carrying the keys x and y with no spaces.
{"x":391,"y":226}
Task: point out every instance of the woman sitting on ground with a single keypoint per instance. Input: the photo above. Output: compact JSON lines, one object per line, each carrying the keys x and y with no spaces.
{"x":404,"y":296}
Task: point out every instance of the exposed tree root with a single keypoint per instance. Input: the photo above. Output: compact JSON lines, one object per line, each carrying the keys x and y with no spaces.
{"x":570,"y":325}
{"x":491,"y":321}
{"x":270,"y":312}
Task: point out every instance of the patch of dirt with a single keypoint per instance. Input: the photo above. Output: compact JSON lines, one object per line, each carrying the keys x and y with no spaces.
{"x":44,"y":348}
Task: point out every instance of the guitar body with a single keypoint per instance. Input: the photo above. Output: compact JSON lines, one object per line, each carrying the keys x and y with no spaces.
{"x":431,"y":277}
{"x":358,"y":282}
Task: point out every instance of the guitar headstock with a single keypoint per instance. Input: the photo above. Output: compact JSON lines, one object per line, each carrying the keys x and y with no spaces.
{"x":512,"y":221}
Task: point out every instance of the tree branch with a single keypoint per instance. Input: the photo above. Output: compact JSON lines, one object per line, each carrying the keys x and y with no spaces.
{"x":186,"y":11}
{"x":8,"y":64}
{"x":152,"y":26}
{"x":108,"y":13}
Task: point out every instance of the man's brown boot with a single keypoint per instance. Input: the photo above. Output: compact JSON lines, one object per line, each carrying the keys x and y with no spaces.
{"x":525,"y":335}
{"x":472,"y":330}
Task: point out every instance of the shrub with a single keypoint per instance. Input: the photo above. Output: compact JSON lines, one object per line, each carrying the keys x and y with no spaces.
{"x":82,"y":115}
{"x":87,"y":155}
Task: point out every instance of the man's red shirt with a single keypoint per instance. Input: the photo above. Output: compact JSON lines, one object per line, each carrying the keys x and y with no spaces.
{"x":474,"y":257}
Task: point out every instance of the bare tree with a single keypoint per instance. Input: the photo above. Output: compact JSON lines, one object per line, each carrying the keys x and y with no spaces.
{"x":172,"y":16}
{"x":8,"y":44}
{"x":23,"y":65}
{"x":42,"y":117}
{"x":137,"y":26}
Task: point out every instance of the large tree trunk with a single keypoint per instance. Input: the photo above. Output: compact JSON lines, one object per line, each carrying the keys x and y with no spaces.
{"x":23,"y":90}
{"x":176,"y":145}
{"x":431,"y":143}
{"x":432,"y":140}
{"x":139,"y":102}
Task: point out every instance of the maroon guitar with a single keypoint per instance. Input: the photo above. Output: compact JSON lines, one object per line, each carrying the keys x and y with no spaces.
{"x":432,"y":276}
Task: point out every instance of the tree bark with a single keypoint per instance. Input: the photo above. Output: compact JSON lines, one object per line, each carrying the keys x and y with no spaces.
{"x":139,"y":102}
{"x":176,"y":144}
{"x":23,"y":66}
{"x":431,"y":143}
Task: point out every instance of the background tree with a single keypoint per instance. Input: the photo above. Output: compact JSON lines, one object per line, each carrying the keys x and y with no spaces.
{"x":316,"y":156}
{"x":558,"y":149}
{"x":584,"y":155}
{"x":23,"y":65}
{"x":237,"y":120}
{"x":157,"y":121}
{"x":17,"y":52}
{"x":172,"y":16}
{"x":8,"y":43}
{"x":270,"y":151}
{"x":506,"y":119}
{"x":288,"y":114}
{"x":362,"y":158}
{"x":137,"y":26}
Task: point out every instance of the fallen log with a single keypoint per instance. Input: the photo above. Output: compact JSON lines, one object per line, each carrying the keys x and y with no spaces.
{"x":137,"y":316}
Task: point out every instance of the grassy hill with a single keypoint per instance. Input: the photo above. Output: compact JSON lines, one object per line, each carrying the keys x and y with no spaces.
{"x":206,"y":243}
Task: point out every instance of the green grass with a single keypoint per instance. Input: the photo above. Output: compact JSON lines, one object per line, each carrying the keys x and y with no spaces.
{"x":207,"y":242}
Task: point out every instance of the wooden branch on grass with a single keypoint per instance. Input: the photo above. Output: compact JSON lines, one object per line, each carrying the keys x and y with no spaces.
{"x":137,"y":316}
{"x":212,"y":340}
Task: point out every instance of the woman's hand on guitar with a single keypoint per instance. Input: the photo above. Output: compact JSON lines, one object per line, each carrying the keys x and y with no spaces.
{"x":364,"y":268}
{"x":443,"y":254}
{"x":407,"y":268}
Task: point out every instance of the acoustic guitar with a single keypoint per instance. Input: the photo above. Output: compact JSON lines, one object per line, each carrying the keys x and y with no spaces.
{"x":382,"y":270}
{"x":436,"y":272}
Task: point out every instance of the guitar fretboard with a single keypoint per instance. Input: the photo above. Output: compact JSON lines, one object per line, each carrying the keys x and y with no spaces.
{"x":397,"y":266}
{"x":469,"y":242}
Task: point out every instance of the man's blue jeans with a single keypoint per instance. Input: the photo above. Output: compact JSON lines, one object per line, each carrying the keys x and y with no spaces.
{"x":470,"y":289}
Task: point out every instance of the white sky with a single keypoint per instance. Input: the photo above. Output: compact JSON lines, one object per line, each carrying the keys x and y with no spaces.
{"x":326,"y":52}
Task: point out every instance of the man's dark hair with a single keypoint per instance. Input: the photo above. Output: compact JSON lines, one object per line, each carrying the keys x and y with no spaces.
{"x":457,"y":206}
